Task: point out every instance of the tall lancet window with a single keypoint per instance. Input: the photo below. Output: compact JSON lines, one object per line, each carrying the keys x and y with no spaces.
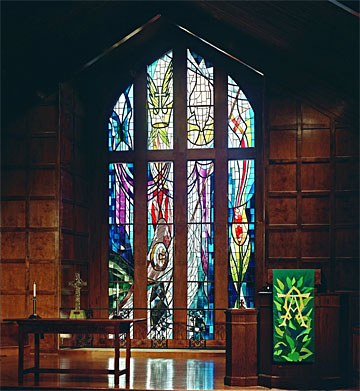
{"x":179,"y":132}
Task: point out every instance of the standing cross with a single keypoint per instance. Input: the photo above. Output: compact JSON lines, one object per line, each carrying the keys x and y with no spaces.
{"x":78,"y":283}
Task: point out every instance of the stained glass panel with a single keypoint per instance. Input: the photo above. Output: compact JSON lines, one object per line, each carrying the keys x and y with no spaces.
{"x":160,"y":249}
{"x":241,"y":215}
{"x":121,"y":239}
{"x":160,"y":103}
{"x":121,"y":122}
{"x":241,"y":122}
{"x":200,"y":101}
{"x":200,"y":248}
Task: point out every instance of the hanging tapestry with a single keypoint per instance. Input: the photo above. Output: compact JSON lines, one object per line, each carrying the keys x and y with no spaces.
{"x":293,"y":315}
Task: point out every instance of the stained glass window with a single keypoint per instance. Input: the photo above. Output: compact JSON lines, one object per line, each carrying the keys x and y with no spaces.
{"x":121,"y":228}
{"x":200,"y":248}
{"x":200,"y":102}
{"x":160,"y":262}
{"x":159,"y":189}
{"x":121,"y":122}
{"x":241,"y":214}
{"x":241,"y":126}
{"x":160,"y":103}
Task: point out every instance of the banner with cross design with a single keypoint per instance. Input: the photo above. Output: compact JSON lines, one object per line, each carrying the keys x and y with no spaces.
{"x":293,"y":315}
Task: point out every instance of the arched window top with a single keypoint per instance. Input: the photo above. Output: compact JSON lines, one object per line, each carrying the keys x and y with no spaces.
{"x":200,"y":109}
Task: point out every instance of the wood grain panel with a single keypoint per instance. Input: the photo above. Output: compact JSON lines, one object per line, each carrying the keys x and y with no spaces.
{"x":42,"y":245}
{"x":81,"y":190}
{"x":13,"y":306}
{"x":82,"y":219}
{"x":13,"y":245}
{"x":347,"y":175}
{"x":312,"y":118}
{"x":282,"y":144}
{"x":282,"y":210}
{"x":66,"y":186}
{"x":43,"y":150}
{"x":347,"y":275}
{"x":315,"y":243}
{"x":346,"y":142}
{"x":346,"y":208}
{"x":282,"y":111}
{"x":66,"y":152}
{"x":67,"y":216}
{"x":67,"y":248}
{"x":43,"y":213}
{"x":13,"y":182}
{"x":46,"y":305}
{"x":81,"y":248}
{"x":13,"y":214}
{"x":42,"y":182}
{"x":347,"y":242}
{"x":315,"y":210}
{"x":315,"y":143}
{"x":315,"y":176}
{"x":282,"y":177}
{"x":44,"y":274}
{"x":13,"y":276}
{"x":282,"y":244}
{"x":43,"y":119}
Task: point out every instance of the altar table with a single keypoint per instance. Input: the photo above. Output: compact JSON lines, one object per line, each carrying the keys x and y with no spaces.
{"x":73,"y":326}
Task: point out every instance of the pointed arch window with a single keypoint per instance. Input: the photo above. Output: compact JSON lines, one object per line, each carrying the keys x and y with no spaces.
{"x":195,"y":156}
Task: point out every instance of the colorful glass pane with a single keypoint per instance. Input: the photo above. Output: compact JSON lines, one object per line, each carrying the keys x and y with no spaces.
{"x":200,"y":102}
{"x":160,"y":103}
{"x":200,"y":248}
{"x":121,"y":122}
{"x":241,"y":123}
{"x":241,"y":215}
{"x":121,"y":239}
{"x":160,"y":262}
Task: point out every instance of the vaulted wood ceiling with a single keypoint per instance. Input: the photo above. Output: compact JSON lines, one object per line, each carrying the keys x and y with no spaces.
{"x":312,"y":47}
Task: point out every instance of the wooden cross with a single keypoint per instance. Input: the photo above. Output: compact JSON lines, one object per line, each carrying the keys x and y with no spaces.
{"x":78,"y":283}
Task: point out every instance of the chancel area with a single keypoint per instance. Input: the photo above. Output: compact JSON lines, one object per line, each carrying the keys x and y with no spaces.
{"x":180,"y":195}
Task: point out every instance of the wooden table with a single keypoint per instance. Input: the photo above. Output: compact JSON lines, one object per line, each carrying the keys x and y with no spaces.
{"x":73,"y":326}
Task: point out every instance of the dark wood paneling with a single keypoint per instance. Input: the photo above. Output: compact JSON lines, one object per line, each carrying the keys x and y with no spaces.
{"x":315,"y":210}
{"x":43,"y":150}
{"x":346,"y":208}
{"x":282,"y":144}
{"x":43,"y":214}
{"x":13,"y":245}
{"x":313,"y":118}
{"x":282,"y":111}
{"x":347,"y":242}
{"x":13,"y":182}
{"x":315,"y":143}
{"x":42,"y":182}
{"x":346,"y":142}
{"x":282,"y":177}
{"x":315,"y":176}
{"x":315,"y":243}
{"x":282,"y":210}
{"x":347,"y":175}
{"x":42,"y":245}
{"x":282,"y":244}
{"x":13,"y":214}
{"x":13,"y":277}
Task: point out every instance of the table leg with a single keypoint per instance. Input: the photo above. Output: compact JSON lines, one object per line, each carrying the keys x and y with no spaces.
{"x":117,"y":355}
{"x":128,"y":355}
{"x":36,"y":357}
{"x":21,"y":355}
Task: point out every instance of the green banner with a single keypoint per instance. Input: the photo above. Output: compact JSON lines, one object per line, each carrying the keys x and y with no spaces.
{"x":293,"y":315}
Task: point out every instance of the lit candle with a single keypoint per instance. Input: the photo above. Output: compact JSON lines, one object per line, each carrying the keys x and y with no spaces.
{"x":117,"y":290}
{"x":34,"y":289}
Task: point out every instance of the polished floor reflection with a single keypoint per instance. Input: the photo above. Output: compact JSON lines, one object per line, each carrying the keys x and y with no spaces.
{"x":149,"y":371}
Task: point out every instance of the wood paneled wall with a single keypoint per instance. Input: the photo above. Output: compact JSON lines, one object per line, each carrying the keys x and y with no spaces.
{"x":30,"y":214}
{"x":74,"y":197}
{"x":312,"y":192}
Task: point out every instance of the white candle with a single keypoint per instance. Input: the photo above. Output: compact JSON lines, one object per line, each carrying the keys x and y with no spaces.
{"x":117,"y":290}
{"x":34,"y":289}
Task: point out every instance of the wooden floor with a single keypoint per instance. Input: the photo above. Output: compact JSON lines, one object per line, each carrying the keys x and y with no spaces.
{"x":154,"y":370}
